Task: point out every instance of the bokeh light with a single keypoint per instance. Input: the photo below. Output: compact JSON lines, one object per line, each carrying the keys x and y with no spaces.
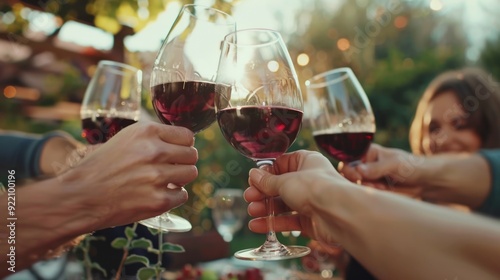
{"x":343,"y":44}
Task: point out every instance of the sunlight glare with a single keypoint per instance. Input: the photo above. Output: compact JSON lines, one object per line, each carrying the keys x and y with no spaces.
{"x":86,"y":35}
{"x":302,"y":59}
{"x":436,"y":5}
{"x":273,"y":66}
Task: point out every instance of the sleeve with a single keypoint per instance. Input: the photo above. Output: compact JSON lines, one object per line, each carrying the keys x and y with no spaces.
{"x":491,"y":205}
{"x":21,"y":152}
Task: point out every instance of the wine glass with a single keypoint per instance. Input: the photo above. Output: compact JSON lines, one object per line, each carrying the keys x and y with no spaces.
{"x":258,"y":106}
{"x":341,"y":116}
{"x":182,"y":80}
{"x":229,"y":212}
{"x":111,"y":102}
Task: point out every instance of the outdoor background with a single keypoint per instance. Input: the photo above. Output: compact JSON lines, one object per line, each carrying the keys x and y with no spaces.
{"x":49,"y":49}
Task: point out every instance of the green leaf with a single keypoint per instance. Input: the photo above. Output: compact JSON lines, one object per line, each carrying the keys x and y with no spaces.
{"x":146,"y":273}
{"x":130,"y":232}
{"x":137,"y":259}
{"x":119,"y":243}
{"x":141,"y":243}
{"x":153,"y":231}
{"x":159,"y":270}
{"x":97,"y":266}
{"x":170,"y":247}
{"x":154,"y":251}
{"x":95,"y":238}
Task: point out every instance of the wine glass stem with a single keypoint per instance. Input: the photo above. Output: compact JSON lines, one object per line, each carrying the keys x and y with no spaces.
{"x":272,"y":242}
{"x":271,"y":235}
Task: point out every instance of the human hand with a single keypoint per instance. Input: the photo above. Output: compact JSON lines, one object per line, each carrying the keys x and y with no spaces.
{"x":137,"y":174}
{"x":301,"y":187}
{"x":386,"y":169}
{"x":324,"y":256}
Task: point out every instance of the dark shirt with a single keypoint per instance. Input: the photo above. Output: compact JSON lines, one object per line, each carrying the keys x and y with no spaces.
{"x":21,"y":153}
{"x":491,"y":206}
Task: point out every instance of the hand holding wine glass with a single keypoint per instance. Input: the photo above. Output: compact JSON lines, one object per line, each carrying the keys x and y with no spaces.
{"x":342,"y":119}
{"x":259,"y":111}
{"x":182,"y":79}
{"x":112,"y":101}
{"x":341,"y":116}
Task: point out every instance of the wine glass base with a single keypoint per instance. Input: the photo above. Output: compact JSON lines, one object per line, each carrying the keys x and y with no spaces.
{"x":255,"y":254}
{"x":168,"y":223}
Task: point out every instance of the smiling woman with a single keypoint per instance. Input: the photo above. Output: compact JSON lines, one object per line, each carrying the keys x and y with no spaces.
{"x":458,"y":112}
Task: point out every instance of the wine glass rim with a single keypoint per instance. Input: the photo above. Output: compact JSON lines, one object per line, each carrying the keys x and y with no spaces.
{"x":118,"y":64}
{"x":230,"y":18}
{"x":313,"y":81}
{"x":277,"y":37}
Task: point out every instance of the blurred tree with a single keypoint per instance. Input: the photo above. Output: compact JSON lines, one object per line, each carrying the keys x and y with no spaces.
{"x":395,"y":49}
{"x":490,"y":57}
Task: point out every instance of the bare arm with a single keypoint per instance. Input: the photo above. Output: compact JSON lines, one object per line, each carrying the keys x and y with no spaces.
{"x":447,"y":178}
{"x":107,"y":188}
{"x":463,"y":179}
{"x":42,"y":221}
{"x":56,"y":154}
{"x":393,"y":236}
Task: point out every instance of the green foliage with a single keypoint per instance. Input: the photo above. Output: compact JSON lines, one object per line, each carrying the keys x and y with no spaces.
{"x":119,"y":243}
{"x":170,"y":247}
{"x":490,"y":57}
{"x":82,"y":250}
{"x":125,"y":244}
{"x":137,"y":259}
{"x":141,"y":243}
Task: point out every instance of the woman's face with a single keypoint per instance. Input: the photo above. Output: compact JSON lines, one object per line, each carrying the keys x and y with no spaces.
{"x":445,"y":127}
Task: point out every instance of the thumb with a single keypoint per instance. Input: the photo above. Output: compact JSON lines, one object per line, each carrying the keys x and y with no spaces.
{"x":264,"y":181}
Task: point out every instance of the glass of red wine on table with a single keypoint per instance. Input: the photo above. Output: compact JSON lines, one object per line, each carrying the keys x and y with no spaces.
{"x":111,"y":102}
{"x":341,"y":116}
{"x":182,"y":80}
{"x":259,"y":107}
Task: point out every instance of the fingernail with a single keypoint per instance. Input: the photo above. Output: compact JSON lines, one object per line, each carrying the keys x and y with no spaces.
{"x":250,"y":227}
{"x":256,"y":174}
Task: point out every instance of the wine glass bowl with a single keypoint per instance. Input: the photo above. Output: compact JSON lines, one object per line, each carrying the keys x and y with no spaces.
{"x":259,"y":107}
{"x":183,"y":74}
{"x":229,"y":211}
{"x":340,"y":114}
{"x":182,"y":80}
{"x":111,"y":102}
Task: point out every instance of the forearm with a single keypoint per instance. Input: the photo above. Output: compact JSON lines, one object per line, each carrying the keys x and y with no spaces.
{"x":462,"y":179}
{"x":399,"y":238}
{"x":46,"y":216}
{"x":58,"y":153}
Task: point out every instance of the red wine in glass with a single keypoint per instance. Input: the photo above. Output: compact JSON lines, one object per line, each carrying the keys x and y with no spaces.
{"x":340,"y":114}
{"x":101,"y":129}
{"x":259,"y":109}
{"x":189,"y":104}
{"x":344,"y":146}
{"x":112,"y":101}
{"x":260,"y":132}
{"x":182,"y":80}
